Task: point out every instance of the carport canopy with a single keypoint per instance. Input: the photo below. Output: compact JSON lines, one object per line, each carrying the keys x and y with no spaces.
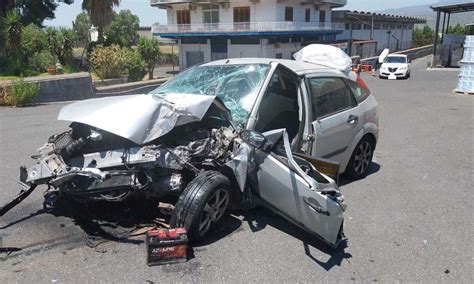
{"x":463,"y":7}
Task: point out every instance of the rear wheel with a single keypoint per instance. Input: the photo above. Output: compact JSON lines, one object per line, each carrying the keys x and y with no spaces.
{"x":361,"y":159}
{"x":202,"y":204}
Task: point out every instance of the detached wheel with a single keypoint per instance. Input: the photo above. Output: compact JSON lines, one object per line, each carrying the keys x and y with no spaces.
{"x":361,"y":159}
{"x":202,"y":204}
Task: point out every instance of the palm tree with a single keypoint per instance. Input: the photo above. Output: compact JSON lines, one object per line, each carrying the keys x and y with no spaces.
{"x":100,"y":13}
{"x":11,"y":28}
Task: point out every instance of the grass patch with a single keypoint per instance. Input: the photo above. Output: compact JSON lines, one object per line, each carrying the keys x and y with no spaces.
{"x":169,"y":48}
{"x":6,"y":78}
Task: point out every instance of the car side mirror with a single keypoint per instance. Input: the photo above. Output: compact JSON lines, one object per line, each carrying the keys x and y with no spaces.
{"x":253,"y":138}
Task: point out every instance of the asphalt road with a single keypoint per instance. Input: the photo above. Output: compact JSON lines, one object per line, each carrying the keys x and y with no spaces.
{"x":411,"y":219}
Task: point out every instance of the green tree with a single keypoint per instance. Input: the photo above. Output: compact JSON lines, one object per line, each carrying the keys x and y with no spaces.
{"x":123,"y":29}
{"x":32,"y":11}
{"x":457,"y":30}
{"x":61,"y":41}
{"x":81,"y":27}
{"x":100,"y":13}
{"x":422,"y":36}
{"x":150,"y":52}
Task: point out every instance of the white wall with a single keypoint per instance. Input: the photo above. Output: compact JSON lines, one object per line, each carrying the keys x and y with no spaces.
{"x":244,"y":50}
{"x":286,"y":49}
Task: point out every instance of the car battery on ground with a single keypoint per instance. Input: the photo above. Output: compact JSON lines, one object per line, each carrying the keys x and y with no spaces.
{"x":165,"y":246}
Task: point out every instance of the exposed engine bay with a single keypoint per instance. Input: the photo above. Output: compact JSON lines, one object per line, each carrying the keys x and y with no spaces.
{"x":88,"y":163}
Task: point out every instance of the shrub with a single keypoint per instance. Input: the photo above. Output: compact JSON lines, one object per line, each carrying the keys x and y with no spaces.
{"x":11,"y":65}
{"x":135,"y":65}
{"x":71,"y":69}
{"x":21,"y":93}
{"x":108,"y":61}
{"x":40,"y":61}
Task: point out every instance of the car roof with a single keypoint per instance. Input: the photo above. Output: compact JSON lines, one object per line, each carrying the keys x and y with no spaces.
{"x":299,"y":67}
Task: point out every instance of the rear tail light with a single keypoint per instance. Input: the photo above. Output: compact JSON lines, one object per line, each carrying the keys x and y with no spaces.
{"x":361,"y":83}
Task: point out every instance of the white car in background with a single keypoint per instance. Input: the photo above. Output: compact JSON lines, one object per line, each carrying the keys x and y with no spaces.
{"x":395,"y":66}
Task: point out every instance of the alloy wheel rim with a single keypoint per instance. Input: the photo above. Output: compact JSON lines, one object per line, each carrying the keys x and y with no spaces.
{"x":213,"y":210}
{"x":363,"y":157}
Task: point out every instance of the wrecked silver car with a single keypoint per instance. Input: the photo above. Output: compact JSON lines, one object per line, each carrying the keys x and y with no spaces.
{"x":201,"y":139}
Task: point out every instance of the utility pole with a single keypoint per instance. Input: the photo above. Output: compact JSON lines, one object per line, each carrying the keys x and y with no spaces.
{"x":349,"y":43}
{"x":372,"y":29}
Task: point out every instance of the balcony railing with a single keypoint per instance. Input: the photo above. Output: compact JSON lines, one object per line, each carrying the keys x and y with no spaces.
{"x":258,"y":27}
{"x":167,"y":2}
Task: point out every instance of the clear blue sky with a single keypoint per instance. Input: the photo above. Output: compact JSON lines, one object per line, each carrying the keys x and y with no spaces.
{"x":65,"y":14}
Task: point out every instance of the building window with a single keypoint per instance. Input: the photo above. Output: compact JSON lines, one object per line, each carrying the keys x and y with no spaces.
{"x":194,"y":40}
{"x":356,"y":26}
{"x":367,"y":27}
{"x":278,"y":39}
{"x":307,"y":39}
{"x":296,"y":38}
{"x":347,"y":26}
{"x":183,"y":17}
{"x":245,"y":40}
{"x":279,"y":55}
{"x":211,"y":13}
{"x":289,"y":14}
{"x":241,"y":14}
{"x":322,"y":16}
{"x":307,"y":15}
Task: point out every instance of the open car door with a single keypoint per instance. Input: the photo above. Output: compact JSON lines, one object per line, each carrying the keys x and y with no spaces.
{"x":292,"y":187}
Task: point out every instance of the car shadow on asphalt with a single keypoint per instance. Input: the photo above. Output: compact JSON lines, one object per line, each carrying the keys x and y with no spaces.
{"x":374,"y":168}
{"x":260,"y":217}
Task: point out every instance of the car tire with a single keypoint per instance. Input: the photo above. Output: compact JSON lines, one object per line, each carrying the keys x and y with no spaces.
{"x":202,"y":204}
{"x":361,"y":159}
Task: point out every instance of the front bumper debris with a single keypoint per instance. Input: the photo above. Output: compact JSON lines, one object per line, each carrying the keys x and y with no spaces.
{"x":24,"y":192}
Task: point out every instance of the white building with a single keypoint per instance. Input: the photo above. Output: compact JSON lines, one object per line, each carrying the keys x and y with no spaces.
{"x":385,"y":31}
{"x":217,"y":29}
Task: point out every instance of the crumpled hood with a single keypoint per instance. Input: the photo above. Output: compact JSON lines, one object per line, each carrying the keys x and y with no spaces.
{"x":139,"y":118}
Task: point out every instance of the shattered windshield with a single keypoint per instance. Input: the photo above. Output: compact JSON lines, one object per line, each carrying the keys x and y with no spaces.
{"x":396,"y":59}
{"x":237,"y":85}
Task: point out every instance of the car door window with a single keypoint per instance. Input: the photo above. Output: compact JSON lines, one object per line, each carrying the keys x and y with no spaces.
{"x":279,"y":106}
{"x":330,"y":96}
{"x":359,"y":92}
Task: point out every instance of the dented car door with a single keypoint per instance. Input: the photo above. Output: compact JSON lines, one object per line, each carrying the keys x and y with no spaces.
{"x":294,"y":189}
